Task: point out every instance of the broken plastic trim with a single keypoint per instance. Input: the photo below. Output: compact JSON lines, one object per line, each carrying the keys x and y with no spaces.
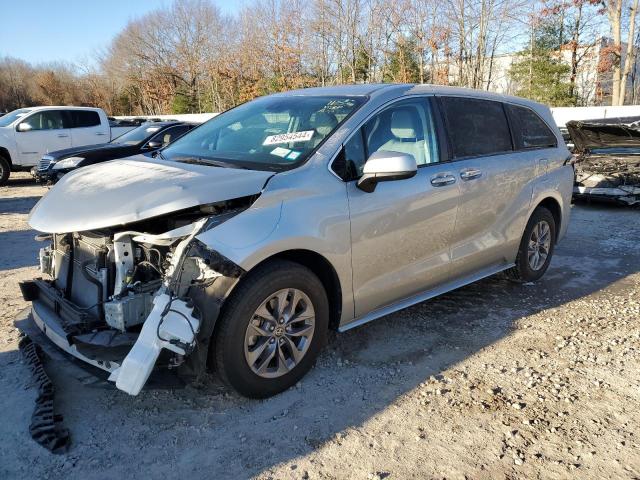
{"x":214,"y":260}
{"x":46,"y":427}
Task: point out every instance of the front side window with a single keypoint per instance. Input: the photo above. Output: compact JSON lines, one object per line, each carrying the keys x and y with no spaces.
{"x":84,"y":118}
{"x":46,"y":120}
{"x":529,"y":129}
{"x":271,"y":133}
{"x":406,"y":127}
{"x":170,"y":134}
{"x":476,"y":127}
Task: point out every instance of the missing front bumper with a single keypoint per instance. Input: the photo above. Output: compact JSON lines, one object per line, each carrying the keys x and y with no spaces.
{"x":51,"y":326}
{"x":129,"y":358}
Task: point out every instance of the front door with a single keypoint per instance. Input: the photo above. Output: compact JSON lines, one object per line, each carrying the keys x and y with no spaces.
{"x":45,"y":132}
{"x":402,"y":231}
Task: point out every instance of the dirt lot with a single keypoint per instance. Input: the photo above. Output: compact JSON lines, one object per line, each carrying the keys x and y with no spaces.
{"x":495,"y":380}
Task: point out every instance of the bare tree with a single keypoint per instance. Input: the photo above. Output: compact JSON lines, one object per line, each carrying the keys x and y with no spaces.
{"x":621,"y":67}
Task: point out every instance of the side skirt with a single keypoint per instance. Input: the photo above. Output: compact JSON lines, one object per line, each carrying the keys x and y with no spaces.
{"x":421,"y":297}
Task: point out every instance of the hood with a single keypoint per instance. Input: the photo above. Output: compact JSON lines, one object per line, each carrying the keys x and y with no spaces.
{"x":6,"y":135}
{"x":137,"y":188}
{"x":588,"y":135}
{"x":82,"y":150}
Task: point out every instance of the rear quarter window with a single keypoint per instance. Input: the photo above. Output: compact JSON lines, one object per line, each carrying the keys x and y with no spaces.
{"x":529,"y":130}
{"x":476,"y":127}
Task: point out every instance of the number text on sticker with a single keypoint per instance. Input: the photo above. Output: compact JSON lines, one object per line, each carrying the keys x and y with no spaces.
{"x":303,"y":136}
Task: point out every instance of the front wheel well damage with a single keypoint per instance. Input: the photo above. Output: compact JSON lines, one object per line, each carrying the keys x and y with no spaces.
{"x":553,"y":206}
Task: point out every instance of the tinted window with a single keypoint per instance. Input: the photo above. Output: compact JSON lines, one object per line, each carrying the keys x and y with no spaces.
{"x":476,"y":127}
{"x":47,"y":120}
{"x":405,"y":126}
{"x":84,"y":118}
{"x":170,"y":134}
{"x":530,"y":131}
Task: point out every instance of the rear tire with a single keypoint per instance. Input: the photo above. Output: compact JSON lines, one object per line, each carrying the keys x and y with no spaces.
{"x":536,"y":247}
{"x":5,"y":171}
{"x":292,"y":302}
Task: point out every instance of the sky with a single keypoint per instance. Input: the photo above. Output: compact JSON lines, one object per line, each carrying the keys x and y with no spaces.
{"x":41,"y":31}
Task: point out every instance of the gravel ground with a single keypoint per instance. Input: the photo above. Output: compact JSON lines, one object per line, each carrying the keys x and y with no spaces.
{"x":494,"y":380}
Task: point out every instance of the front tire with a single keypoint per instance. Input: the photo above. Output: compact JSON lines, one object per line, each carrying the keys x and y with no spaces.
{"x":271,"y":330}
{"x":5,"y":171}
{"x":536,"y":247}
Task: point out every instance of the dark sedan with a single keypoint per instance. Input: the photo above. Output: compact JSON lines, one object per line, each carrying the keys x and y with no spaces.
{"x":144,"y":139}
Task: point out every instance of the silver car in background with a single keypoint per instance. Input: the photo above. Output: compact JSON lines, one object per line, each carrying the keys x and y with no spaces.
{"x":238,"y":246}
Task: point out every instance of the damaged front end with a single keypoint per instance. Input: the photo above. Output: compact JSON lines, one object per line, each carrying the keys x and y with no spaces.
{"x":607,"y":160}
{"x":127,"y":299}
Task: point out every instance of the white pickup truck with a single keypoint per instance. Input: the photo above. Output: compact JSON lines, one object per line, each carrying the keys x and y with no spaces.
{"x":28,"y":133}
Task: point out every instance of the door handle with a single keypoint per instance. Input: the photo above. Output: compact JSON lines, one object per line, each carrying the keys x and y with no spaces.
{"x":62,"y":135}
{"x":441,"y":180}
{"x":101,"y":134}
{"x":470,"y":173}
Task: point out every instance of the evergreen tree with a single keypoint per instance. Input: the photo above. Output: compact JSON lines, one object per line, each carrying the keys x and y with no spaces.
{"x":542,"y":77}
{"x":539,"y":73}
{"x":402,"y":64}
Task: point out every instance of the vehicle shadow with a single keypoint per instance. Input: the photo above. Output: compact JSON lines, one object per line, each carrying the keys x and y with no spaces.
{"x":211,"y":432}
{"x":18,"y":250}
{"x":10,"y":205}
{"x":21,"y":179}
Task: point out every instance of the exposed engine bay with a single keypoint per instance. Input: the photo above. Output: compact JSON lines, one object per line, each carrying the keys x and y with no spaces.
{"x":126,"y":298}
{"x":615,"y":177}
{"x":607,"y":159}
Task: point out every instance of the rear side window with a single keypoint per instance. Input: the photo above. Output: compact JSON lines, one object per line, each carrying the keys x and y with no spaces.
{"x":529,"y":130}
{"x":476,"y":127}
{"x":84,"y":118}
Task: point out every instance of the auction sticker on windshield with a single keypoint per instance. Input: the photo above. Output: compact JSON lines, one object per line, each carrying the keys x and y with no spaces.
{"x":303,"y":136}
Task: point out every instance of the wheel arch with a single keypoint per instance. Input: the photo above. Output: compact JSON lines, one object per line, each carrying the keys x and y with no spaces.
{"x":554,"y":207}
{"x":4,"y":152}
{"x":325,"y":272}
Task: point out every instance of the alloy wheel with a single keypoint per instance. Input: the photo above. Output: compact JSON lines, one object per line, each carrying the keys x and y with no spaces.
{"x":279,"y":333}
{"x":539,"y":245}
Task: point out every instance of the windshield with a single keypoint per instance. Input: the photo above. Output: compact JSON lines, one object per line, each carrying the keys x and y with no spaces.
{"x":270,"y":133}
{"x":11,"y":117}
{"x":137,"y":135}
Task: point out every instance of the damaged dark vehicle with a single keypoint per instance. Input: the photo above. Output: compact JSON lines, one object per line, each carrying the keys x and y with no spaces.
{"x":607,"y":159}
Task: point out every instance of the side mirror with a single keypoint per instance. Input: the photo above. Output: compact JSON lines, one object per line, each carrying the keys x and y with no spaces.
{"x":24,"y":127}
{"x":385,"y":166}
{"x":154,"y":145}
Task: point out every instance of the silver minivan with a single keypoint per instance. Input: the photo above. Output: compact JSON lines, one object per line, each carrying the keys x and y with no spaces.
{"x":238,"y":246}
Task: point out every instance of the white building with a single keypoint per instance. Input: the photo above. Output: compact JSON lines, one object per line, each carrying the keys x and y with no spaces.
{"x":593,"y":87}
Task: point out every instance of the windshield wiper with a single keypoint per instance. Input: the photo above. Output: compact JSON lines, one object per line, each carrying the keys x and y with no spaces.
{"x":209,"y":162}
